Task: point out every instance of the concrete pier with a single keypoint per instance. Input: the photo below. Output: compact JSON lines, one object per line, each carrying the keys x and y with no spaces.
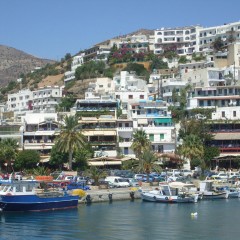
{"x":110,"y":195}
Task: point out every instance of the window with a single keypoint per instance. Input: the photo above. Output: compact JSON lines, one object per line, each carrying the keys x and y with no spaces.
{"x":151,"y":137}
{"x":223,"y":114}
{"x":117,"y":96}
{"x":141,"y":96}
{"x":100,"y":86}
{"x":130,"y":96}
{"x":161,"y":136}
{"x":234,"y":113}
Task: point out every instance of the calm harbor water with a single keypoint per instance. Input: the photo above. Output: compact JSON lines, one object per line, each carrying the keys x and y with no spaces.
{"x":127,"y":220}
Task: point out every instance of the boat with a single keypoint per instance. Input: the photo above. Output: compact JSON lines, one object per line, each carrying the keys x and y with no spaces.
{"x":30,"y":196}
{"x":231,"y":192}
{"x":170,"y":193}
{"x":209,"y":193}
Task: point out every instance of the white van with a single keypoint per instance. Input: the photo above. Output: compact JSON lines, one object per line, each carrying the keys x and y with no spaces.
{"x":117,"y":181}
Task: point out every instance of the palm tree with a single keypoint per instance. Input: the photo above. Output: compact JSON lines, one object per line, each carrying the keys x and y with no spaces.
{"x":147,"y":163}
{"x":192,"y":147}
{"x":140,"y":142}
{"x":70,"y":138}
{"x":96,"y":174}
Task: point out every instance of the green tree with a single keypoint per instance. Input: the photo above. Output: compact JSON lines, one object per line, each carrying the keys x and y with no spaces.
{"x":8,"y":151}
{"x":140,"y":142}
{"x":158,"y":63}
{"x":192,"y":148}
{"x":67,"y":56}
{"x":174,"y":96}
{"x":209,"y":154}
{"x":27,"y":159}
{"x":82,"y":155}
{"x":182,"y":59}
{"x":139,"y":69}
{"x":147,"y":163}
{"x":67,"y":103}
{"x":57,"y":158}
{"x":41,"y":171}
{"x":70,"y":138}
{"x":218,"y":44}
{"x":96,"y":174}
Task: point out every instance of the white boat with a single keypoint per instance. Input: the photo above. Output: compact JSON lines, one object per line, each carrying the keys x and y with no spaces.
{"x":208,"y":193}
{"x":170,"y":193}
{"x":231,"y":192}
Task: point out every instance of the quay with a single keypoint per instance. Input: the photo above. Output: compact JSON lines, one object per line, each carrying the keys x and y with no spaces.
{"x":130,"y":193}
{"x":113,"y":194}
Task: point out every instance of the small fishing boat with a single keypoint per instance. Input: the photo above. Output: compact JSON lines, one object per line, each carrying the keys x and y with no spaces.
{"x":29,"y":196}
{"x":167,"y":193}
{"x":209,"y":193}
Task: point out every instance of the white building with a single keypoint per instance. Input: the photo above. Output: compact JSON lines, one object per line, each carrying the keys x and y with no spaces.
{"x":39,"y":131}
{"x":20,"y":101}
{"x":47,"y":98}
{"x":77,"y":61}
{"x":183,"y":40}
{"x":206,"y":36}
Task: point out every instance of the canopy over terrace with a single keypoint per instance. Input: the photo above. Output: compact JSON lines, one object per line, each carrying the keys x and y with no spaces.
{"x":106,"y":161}
{"x":227,"y":161}
{"x":169,"y":157}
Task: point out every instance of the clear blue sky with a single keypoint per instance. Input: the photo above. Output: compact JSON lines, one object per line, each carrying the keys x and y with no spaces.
{"x":52,"y":28}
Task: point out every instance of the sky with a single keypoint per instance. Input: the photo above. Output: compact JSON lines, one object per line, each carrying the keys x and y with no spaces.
{"x":51,"y":28}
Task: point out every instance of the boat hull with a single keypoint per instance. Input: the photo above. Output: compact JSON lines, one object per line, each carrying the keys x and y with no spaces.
{"x":212,"y":196}
{"x":35,"y":203}
{"x":166,"y":199}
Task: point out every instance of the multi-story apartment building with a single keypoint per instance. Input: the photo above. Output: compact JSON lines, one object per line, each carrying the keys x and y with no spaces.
{"x":136,"y":43}
{"x":39,"y":131}
{"x":98,"y":121}
{"x":20,"y":101}
{"x":206,"y":36}
{"x":77,"y":61}
{"x":47,"y":98}
{"x":100,"y":88}
{"x":125,"y":134}
{"x":182,"y":40}
{"x":154,"y":118}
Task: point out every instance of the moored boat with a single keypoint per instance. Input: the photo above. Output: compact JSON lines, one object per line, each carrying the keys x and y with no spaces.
{"x":209,"y":193}
{"x":29,"y":196}
{"x":169,"y":194}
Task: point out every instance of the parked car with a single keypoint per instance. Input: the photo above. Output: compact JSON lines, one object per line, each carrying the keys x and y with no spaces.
{"x":186,"y":173}
{"x":133,"y":182}
{"x":117,"y":181}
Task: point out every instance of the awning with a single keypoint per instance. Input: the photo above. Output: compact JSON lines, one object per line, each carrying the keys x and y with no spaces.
{"x":44,"y":133}
{"x":104,"y":163}
{"x":99,"y":133}
{"x":163,"y":120}
{"x":142,"y":121}
{"x":227,"y":136}
{"x":45,"y":160}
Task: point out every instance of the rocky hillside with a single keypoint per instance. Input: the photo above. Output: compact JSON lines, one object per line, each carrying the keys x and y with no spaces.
{"x":13,"y":62}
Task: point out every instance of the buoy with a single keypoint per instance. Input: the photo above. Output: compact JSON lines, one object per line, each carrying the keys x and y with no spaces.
{"x":194,"y":214}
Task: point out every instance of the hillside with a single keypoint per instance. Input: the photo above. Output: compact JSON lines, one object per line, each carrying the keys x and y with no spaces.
{"x":13,"y":62}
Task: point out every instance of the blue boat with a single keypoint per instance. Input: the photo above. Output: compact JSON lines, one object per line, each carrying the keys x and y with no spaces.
{"x":29,"y":196}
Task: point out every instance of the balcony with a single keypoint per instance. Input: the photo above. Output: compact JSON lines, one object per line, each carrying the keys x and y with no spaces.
{"x":124,"y":144}
{"x":125,"y":129}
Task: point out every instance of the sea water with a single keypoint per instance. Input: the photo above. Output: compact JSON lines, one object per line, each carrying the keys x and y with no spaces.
{"x":119,"y":220}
